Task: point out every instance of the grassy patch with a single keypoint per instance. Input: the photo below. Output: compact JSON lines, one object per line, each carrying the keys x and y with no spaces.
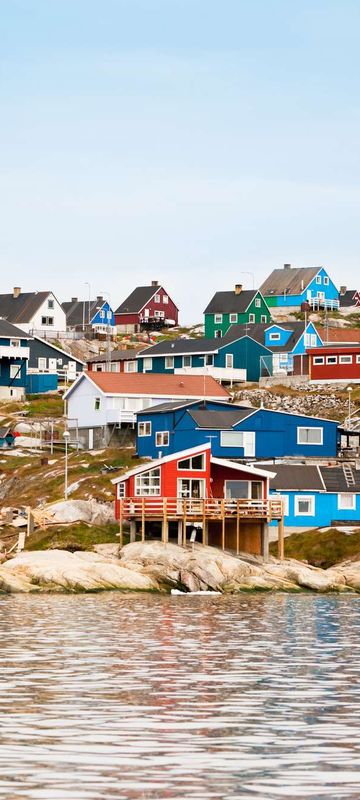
{"x":321,"y":548}
{"x":45,"y":405}
{"x":73,"y":537}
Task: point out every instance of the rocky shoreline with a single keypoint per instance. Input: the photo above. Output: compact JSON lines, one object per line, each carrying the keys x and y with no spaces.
{"x":153,"y":566}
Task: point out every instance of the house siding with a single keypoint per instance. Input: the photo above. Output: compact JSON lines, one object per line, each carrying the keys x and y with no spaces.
{"x":325,"y":509}
{"x":263,"y":311}
{"x":295,"y":301}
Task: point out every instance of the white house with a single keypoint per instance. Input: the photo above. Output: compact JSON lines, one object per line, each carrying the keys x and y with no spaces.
{"x":36,"y":312}
{"x":101,"y":405}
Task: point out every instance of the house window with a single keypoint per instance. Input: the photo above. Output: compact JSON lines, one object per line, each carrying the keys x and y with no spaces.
{"x":257,"y":302}
{"x":358,"y":359}
{"x":102,"y":314}
{"x":232,"y":439}
{"x":147,"y":484}
{"x":15,"y":371}
{"x":285,"y":503}
{"x":274,"y":337}
{"x":186,"y":361}
{"x":59,"y":361}
{"x":310,"y":435}
{"x":147,"y":364}
{"x":162,"y":439}
{"x":310,"y":339}
{"x":346,"y":502}
{"x":121,"y":490}
{"x":318,"y":360}
{"x":195,"y":462}
{"x":233,"y":318}
{"x":47,"y":320}
{"x":130,"y":366}
{"x":144,"y":429}
{"x":169,"y":362}
{"x":263,"y":318}
{"x":331,"y":359}
{"x":326,"y":280}
{"x":97,"y":404}
{"x":251,"y":317}
{"x":345,"y":359}
{"x":218,"y":318}
{"x":14,"y":342}
{"x":318,"y":279}
{"x":209,"y":361}
{"x":50,"y":304}
{"x":159,"y":314}
{"x":109,"y":314}
{"x":42,"y":364}
{"x":229,"y":360}
{"x":304,"y":505}
{"x":157,"y":298}
{"x":165,"y":299}
{"x":218,"y":334}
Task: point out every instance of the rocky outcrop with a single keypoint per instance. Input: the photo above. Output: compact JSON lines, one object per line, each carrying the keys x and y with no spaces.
{"x":153,"y":566}
{"x":90,"y":511}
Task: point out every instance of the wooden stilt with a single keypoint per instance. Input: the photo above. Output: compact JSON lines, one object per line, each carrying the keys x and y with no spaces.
{"x":237,"y":528}
{"x":204,"y":524}
{"x":184,"y":523}
{"x":281,"y":547}
{"x":121,"y":524}
{"x":165,"y":525}
{"x":143,"y":520}
{"x":223,"y":524}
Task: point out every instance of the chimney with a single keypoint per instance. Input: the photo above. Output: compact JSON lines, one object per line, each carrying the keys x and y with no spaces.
{"x":154,"y":283}
{"x":287,"y":266}
{"x":16,"y":291}
{"x":100,"y":298}
{"x":74,"y":300}
{"x":238,"y":288}
{"x":343,"y":290}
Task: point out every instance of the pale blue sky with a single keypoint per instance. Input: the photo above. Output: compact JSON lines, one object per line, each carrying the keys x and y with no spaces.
{"x":190,"y":141}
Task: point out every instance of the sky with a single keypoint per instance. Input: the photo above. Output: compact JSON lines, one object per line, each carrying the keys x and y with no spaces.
{"x":200,"y":143}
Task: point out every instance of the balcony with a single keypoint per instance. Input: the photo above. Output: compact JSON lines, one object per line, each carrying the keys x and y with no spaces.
{"x":118,"y":416}
{"x":12,"y":351}
{"x":193,"y":509}
{"x":227,"y":374}
{"x":321,"y":303}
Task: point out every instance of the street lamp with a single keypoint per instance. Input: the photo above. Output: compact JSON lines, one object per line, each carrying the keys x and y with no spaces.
{"x":66,"y":436}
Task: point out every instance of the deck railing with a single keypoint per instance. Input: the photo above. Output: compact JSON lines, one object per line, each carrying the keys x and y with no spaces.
{"x":212,"y":508}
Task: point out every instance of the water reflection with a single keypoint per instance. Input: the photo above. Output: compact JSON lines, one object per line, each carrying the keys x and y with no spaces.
{"x":144,"y":696}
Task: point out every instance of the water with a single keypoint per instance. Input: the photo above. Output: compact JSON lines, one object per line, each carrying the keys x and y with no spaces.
{"x":147,"y":696}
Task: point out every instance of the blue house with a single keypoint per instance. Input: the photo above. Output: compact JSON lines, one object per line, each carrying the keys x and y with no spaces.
{"x":94,"y":314}
{"x":235,"y":432}
{"x":246,"y":352}
{"x":14,"y":355}
{"x":291,"y":287}
{"x":316,"y":496}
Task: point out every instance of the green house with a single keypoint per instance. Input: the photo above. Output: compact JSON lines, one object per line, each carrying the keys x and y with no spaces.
{"x":234,"y":308}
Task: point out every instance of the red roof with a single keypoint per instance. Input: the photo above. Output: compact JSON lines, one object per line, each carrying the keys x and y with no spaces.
{"x":158,"y":385}
{"x":333,"y":335}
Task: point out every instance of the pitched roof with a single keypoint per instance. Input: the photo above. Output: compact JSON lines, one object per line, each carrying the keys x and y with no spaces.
{"x":7,"y":329}
{"x":349,"y":298}
{"x":22,"y":308}
{"x":154,"y":385}
{"x":335,"y":480}
{"x":289,"y":281}
{"x":116,"y":355}
{"x":295,"y":477}
{"x":335,"y":335}
{"x":174,"y":405}
{"x":230,"y":302}
{"x":256,"y":330}
{"x":220,"y":420}
{"x":180,"y":346}
{"x":78,"y":311}
{"x":137,"y":299}
{"x":5,"y":431}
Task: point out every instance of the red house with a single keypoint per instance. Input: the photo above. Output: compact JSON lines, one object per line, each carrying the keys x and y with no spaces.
{"x":226,"y":503}
{"x":334,"y":364}
{"x":146,"y":308}
{"x":118,"y":361}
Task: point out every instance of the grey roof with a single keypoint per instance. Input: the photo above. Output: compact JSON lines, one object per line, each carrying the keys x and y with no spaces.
{"x":230,"y":302}
{"x":172,"y":347}
{"x":297,"y":477}
{"x":137,"y":299}
{"x":78,"y":311}
{"x":7,"y":329}
{"x":220,"y":420}
{"x":289,"y":281}
{"x":21,"y":309}
{"x":335,"y":480}
{"x":350,"y":298}
{"x":173,"y":405}
{"x":257,"y":331}
{"x":116,"y":355}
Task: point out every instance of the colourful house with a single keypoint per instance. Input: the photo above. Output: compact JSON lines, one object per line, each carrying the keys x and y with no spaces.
{"x":146,"y":308}
{"x":333,"y":364}
{"x":234,"y":308}
{"x":225,"y":504}
{"x":316,"y":496}
{"x":96,"y":315}
{"x":235,"y":431}
{"x":290,"y":287}
{"x":14,"y":356}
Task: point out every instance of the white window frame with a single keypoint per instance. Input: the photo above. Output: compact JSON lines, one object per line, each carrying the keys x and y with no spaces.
{"x":162,"y":439}
{"x":318,"y":360}
{"x":218,"y":334}
{"x":326,"y":280}
{"x":318,"y":280}
{"x":358,"y":358}
{"x":130,"y":366}
{"x":233,"y":318}
{"x":14,"y":342}
{"x":274,"y":337}
{"x":144,"y":428}
{"x":15,"y":372}
{"x":50,"y":304}
{"x":186,"y":358}
{"x":42,"y":363}
{"x":102,"y":313}
{"x":97,"y":403}
{"x":257,"y":302}
{"x":229,"y":361}
{"x":121,"y":492}
{"x":140,"y":486}
{"x":251,"y":317}
{"x":165,"y":299}
{"x":237,"y":436}
{"x":346,"y":359}
{"x":300,"y":498}
{"x":157,"y":298}
{"x":263,"y":318}
{"x":218,"y":318}
{"x":147,"y":364}
{"x":310,"y":444}
{"x":331,"y":360}
{"x":169,"y":362}
{"x":340,"y":498}
{"x":209,"y":360}
{"x":190,"y":459}
{"x":285,"y":501}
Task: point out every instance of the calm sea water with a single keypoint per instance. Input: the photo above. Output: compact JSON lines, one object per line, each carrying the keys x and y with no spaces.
{"x":146,"y":696}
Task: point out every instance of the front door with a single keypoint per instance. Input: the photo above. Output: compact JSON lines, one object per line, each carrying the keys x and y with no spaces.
{"x":52,"y":364}
{"x":249,"y":444}
{"x":193,"y":490}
